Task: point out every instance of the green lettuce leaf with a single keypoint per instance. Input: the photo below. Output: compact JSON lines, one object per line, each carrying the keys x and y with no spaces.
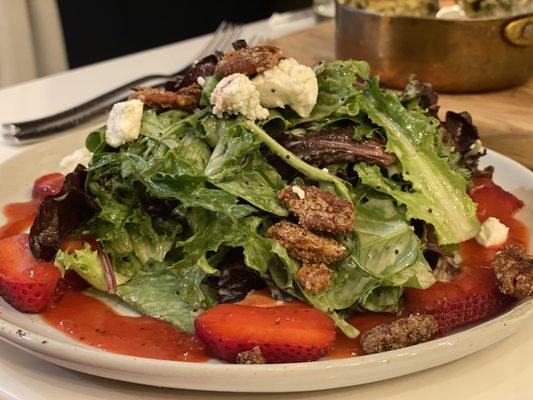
{"x":88,"y":265}
{"x":237,"y":167}
{"x":338,"y":97}
{"x":439,"y":193}
{"x":163,"y":294}
{"x":210,"y":233}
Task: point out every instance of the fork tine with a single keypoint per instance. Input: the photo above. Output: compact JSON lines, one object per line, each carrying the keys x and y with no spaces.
{"x":224,"y":35}
{"x":234,"y":34}
{"x":220,"y":32}
{"x":222,"y":43}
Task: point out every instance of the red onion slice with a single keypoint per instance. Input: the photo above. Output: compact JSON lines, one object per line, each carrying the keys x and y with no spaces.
{"x":108,"y":270}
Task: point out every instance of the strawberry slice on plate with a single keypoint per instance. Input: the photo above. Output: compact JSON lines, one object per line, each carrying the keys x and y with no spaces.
{"x":47,"y":185}
{"x":472,"y":296}
{"x":285,"y":334}
{"x":25,"y":283}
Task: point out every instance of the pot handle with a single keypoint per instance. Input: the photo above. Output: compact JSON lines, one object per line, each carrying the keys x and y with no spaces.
{"x":520,"y":31}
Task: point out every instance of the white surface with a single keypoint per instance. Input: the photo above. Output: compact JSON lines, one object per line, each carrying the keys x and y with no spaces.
{"x":502,"y":371}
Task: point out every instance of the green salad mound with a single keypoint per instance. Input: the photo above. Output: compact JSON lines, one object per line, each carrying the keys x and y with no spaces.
{"x":195,"y":191}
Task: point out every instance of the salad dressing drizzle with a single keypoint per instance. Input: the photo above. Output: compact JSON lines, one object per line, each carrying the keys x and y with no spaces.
{"x":19,"y":217}
{"x":90,"y":321}
{"x":475,"y":255}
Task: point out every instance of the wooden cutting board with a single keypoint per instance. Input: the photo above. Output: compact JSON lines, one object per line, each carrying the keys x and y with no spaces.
{"x":504,"y":118}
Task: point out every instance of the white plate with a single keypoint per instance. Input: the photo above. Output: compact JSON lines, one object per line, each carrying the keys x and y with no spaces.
{"x":29,"y":333}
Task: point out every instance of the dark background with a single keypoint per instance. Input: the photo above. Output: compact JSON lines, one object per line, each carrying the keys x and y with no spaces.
{"x":97,"y":30}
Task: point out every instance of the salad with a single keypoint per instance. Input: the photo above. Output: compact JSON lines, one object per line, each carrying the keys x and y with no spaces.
{"x":428,"y":8}
{"x":340,"y":204}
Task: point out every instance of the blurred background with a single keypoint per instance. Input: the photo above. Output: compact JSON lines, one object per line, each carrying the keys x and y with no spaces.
{"x":42,"y":37}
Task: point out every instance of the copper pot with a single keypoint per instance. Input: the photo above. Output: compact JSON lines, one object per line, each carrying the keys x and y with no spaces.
{"x":454,"y":55}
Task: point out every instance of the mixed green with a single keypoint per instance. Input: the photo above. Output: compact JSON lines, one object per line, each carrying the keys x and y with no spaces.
{"x":182,"y":212}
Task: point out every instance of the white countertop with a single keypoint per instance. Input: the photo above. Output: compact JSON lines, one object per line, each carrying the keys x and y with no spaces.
{"x":500,"y":372}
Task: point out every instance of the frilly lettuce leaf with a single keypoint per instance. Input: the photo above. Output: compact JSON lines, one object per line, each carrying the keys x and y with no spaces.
{"x":439,"y":193}
{"x":87,"y":264}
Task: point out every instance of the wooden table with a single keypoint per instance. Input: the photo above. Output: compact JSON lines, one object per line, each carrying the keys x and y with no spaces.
{"x":504,"y":118}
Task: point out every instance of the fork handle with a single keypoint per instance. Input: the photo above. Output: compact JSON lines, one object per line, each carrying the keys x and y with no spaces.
{"x":17,"y":134}
{"x":76,"y":115}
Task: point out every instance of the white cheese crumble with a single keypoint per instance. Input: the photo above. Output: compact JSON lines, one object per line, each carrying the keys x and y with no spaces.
{"x":298,"y":191}
{"x":477,"y":147}
{"x":201,"y":81}
{"x":124,"y":122}
{"x":492,"y":233}
{"x":69,"y":163}
{"x":288,"y":83}
{"x":235,"y":94}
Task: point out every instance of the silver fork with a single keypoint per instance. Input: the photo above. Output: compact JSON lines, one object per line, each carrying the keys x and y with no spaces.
{"x":25,"y":131}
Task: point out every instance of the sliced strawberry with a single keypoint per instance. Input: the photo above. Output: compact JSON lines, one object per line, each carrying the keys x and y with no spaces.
{"x":284,"y":334}
{"x":472,"y":296}
{"x":25,"y":283}
{"x":492,"y":200}
{"x":47,"y":185}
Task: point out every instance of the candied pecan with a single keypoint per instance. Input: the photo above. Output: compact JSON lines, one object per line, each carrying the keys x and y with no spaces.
{"x":185,"y":98}
{"x":514,"y":271}
{"x":318,"y":210}
{"x":314,"y":277}
{"x":249,"y":60}
{"x":253,"y":356}
{"x":398,"y":334}
{"x":305,"y":245}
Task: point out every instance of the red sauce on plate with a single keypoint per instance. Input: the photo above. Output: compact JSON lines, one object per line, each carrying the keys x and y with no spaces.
{"x":19,"y":217}
{"x":493,"y":201}
{"x":346,"y":347}
{"x":92,"y":322}
{"x":475,"y":255}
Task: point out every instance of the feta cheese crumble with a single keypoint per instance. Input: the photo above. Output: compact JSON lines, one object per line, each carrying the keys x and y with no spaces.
{"x":298,"y":191}
{"x":124,"y":122}
{"x":201,"y":81}
{"x":288,"y":83}
{"x":69,"y":163}
{"x":492,"y":233}
{"x":477,"y":147}
{"x":235,"y":94}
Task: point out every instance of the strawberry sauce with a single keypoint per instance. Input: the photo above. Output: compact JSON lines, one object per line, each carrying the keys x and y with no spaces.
{"x":475,"y":255}
{"x":493,"y":201}
{"x":19,"y":217}
{"x":92,"y":322}
{"x":346,"y":347}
